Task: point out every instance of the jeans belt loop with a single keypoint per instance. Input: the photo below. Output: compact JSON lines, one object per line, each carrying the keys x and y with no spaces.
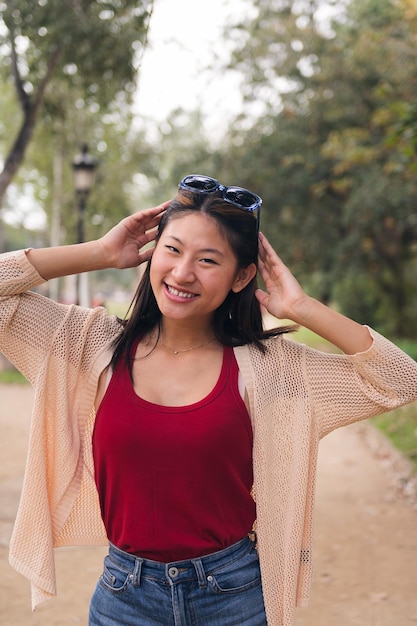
{"x":201,"y":574}
{"x":137,"y":572}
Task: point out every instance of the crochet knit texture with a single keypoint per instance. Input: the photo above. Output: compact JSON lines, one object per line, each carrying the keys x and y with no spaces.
{"x":296,"y":395}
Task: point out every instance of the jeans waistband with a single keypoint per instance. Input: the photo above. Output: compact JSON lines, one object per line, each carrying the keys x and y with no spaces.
{"x":179,"y":571}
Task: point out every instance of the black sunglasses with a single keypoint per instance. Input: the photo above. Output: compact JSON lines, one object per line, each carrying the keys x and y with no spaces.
{"x":237,"y":196}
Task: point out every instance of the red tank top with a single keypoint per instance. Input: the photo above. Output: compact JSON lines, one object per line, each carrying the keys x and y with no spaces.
{"x":174,"y":482}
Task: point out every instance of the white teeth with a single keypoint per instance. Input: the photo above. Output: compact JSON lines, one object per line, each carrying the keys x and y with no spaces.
{"x":180,"y":294}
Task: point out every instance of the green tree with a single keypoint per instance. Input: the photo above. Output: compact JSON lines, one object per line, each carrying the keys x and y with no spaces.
{"x":91,"y":46}
{"x":374,"y":162}
{"x":173,"y":149}
{"x":334,"y":151}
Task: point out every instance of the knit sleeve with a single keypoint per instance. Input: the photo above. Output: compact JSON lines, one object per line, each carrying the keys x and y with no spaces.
{"x":17,"y":274}
{"x":35,"y":329}
{"x":348,"y":388}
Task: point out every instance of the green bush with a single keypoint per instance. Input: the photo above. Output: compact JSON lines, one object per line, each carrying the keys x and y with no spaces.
{"x":408,"y":345}
{"x":12,"y":376}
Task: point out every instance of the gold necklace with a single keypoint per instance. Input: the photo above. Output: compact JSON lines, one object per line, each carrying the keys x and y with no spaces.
{"x":201,"y":345}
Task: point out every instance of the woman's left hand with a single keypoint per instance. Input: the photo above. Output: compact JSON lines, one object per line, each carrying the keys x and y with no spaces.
{"x":283,"y":296}
{"x":285,"y":299}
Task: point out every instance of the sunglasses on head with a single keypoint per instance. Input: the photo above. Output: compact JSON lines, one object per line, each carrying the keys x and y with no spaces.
{"x":237,"y":196}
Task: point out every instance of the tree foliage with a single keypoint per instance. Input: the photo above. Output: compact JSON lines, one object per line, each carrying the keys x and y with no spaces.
{"x":82,"y":47}
{"x":334,"y":153}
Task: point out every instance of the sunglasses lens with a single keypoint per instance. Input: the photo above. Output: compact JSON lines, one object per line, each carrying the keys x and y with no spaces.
{"x":200,"y":183}
{"x":242,"y":197}
{"x":238,"y":196}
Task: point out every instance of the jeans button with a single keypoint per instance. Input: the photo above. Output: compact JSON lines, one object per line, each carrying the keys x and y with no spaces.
{"x":173,"y":572}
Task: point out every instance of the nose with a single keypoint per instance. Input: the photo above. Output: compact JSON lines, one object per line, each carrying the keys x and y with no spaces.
{"x":183,"y":271}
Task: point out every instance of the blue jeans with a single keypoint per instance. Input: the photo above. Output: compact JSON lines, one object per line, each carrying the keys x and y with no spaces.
{"x":221,"y":589}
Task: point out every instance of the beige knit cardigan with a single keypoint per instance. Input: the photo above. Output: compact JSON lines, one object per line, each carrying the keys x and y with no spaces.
{"x":297,"y":395}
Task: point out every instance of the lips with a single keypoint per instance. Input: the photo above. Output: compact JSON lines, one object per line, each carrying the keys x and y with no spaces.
{"x":179,"y":293}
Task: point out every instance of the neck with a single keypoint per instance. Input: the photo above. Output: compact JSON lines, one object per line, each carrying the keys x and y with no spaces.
{"x":177,"y":337}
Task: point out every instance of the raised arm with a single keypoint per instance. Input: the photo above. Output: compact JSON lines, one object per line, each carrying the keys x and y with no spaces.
{"x":120,"y":248}
{"x":285,"y":299}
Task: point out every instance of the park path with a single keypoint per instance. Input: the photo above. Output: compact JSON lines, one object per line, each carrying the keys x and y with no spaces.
{"x":365,"y":541}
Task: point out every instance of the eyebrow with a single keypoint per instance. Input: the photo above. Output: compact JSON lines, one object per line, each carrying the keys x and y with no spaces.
{"x":206,"y":250}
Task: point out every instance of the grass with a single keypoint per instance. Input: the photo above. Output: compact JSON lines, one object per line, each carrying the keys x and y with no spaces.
{"x":12,"y":376}
{"x":400,"y":427}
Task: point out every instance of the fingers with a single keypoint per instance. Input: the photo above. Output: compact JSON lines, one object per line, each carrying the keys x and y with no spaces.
{"x":154,"y":212}
{"x":261,"y":266}
{"x":150,"y":218}
{"x":269,"y":260}
{"x":262,"y":297}
{"x":145,"y":256}
{"x":148,"y":236}
{"x":264,"y":244}
{"x":266,"y":251}
{"x":267,"y":256}
{"x":157,"y":210}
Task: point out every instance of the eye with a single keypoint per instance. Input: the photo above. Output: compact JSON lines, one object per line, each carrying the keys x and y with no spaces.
{"x":171,"y":248}
{"x":209,"y":261}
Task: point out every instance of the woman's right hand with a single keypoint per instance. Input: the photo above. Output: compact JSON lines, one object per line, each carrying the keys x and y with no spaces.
{"x":122,"y":245}
{"x":119,"y":248}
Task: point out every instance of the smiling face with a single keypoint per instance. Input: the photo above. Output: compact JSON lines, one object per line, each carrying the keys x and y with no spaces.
{"x":194,"y":268}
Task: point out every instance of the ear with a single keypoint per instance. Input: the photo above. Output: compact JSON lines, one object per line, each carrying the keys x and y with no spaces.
{"x":243,"y":278}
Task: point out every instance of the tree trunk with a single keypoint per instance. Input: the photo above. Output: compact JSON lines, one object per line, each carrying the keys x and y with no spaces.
{"x":30,"y":108}
{"x":55,"y":233}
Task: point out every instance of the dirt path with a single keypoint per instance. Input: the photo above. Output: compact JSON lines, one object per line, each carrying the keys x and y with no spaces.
{"x":365,"y":548}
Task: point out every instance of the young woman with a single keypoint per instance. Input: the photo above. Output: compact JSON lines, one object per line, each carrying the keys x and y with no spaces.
{"x":187,"y":436}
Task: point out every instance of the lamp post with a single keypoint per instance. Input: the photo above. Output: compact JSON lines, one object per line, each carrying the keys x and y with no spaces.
{"x":84,"y":166}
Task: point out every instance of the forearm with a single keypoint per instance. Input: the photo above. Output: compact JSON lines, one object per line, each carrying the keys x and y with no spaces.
{"x":65,"y":260}
{"x":344,"y":333}
{"x":124,"y":246}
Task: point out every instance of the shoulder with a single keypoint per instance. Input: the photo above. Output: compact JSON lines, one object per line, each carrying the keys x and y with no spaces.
{"x":99,"y":327}
{"x":274,"y":347}
{"x":279,"y":352}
